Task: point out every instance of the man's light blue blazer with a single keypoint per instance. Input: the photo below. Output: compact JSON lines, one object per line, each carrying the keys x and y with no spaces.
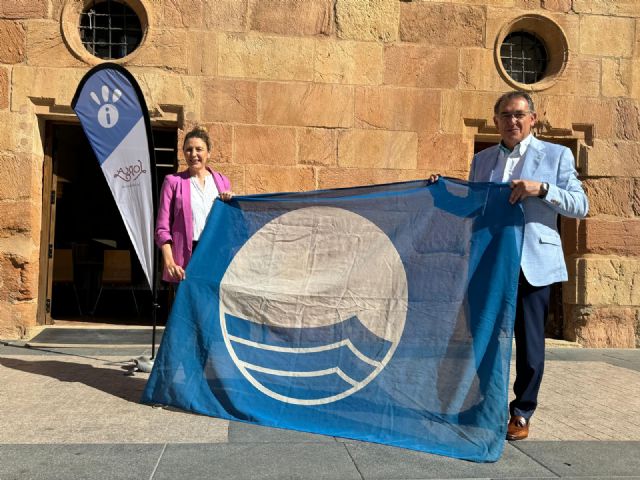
{"x":542,"y":258}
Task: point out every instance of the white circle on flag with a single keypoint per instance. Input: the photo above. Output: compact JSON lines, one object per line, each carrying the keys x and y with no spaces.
{"x":108,"y":115}
{"x":314,"y":267}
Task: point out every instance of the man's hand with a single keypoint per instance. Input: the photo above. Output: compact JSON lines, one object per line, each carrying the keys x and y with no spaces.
{"x":433,"y":178}
{"x":521,"y":189}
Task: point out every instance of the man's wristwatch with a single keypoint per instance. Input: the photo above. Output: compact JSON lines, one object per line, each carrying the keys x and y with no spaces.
{"x":544,"y":189}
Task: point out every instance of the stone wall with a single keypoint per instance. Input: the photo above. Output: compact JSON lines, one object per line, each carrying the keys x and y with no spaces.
{"x":306,"y":94}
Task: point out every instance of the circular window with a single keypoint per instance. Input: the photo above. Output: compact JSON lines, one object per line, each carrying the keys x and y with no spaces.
{"x":524,"y":57}
{"x":110,"y":29}
{"x":97,"y":30}
{"x":531,"y":52}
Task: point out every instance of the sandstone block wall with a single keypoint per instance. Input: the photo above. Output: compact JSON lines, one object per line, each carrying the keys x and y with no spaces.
{"x":306,"y":94}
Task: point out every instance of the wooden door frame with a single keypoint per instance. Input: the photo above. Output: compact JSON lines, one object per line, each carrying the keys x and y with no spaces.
{"x":47,"y":230}
{"x":48,"y":124}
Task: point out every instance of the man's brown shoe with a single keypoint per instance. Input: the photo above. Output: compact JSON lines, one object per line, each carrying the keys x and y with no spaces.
{"x":518,"y":428}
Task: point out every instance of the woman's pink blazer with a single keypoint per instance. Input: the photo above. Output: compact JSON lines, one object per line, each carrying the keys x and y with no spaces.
{"x":175,"y":219}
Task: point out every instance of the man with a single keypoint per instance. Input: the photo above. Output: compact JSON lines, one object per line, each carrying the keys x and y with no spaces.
{"x":542,"y":176}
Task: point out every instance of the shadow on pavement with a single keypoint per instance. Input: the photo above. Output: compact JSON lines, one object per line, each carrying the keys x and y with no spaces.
{"x":108,"y":380}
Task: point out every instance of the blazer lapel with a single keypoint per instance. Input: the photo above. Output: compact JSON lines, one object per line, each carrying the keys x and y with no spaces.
{"x":532,"y":158}
{"x":485,"y":164}
{"x":216,"y":180}
{"x":185,"y":185}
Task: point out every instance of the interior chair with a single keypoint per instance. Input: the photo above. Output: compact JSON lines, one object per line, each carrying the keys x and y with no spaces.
{"x":63,"y":271}
{"x":116,"y":275}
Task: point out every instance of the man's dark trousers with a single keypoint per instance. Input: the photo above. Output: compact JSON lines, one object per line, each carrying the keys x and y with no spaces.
{"x":531,"y":315}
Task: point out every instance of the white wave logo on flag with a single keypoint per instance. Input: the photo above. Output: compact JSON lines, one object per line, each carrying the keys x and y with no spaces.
{"x":313,"y":305}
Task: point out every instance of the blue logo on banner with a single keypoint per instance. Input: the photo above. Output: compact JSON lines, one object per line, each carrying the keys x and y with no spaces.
{"x":108,"y":113}
{"x":109,"y":98}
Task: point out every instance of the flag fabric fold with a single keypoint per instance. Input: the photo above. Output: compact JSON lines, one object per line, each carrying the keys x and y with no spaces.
{"x":381,"y":313}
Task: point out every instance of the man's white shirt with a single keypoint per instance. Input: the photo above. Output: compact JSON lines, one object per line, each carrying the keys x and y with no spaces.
{"x":509,"y":164}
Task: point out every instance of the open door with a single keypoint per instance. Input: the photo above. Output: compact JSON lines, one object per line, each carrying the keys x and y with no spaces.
{"x":80,"y":221}
{"x":47,"y":231}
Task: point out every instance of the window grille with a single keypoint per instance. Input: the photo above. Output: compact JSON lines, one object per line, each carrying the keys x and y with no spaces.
{"x":524,"y":57}
{"x":110,"y":29}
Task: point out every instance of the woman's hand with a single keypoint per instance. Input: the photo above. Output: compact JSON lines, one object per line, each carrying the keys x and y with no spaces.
{"x":176,"y":272}
{"x":433,"y":178}
{"x":226,"y":196}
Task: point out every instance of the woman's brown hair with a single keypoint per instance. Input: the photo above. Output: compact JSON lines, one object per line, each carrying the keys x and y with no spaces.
{"x":198,"y":132}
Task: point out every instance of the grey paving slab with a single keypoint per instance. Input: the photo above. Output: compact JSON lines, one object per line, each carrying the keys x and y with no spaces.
{"x":626,"y":358}
{"x":602,"y":477}
{"x":76,"y":400}
{"x":239,"y":432}
{"x":379,"y":462}
{"x":318,"y":461}
{"x":96,"y":336}
{"x":573,"y":354}
{"x":606,"y":477}
{"x":582,"y":459}
{"x":78,"y":462}
{"x":124,"y":351}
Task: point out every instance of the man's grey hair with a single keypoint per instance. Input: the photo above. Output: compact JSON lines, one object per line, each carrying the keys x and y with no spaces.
{"x":510,"y":96}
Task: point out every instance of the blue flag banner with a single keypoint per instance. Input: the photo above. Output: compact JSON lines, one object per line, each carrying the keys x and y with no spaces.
{"x":114,"y":116}
{"x":381,"y":313}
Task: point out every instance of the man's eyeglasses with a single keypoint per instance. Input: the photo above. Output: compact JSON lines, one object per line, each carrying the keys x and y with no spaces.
{"x":516,"y":115}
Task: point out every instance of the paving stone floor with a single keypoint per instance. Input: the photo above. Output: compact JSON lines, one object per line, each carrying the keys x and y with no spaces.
{"x":72,"y":413}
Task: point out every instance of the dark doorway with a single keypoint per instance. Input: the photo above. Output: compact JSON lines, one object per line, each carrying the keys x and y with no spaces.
{"x":88,"y":231}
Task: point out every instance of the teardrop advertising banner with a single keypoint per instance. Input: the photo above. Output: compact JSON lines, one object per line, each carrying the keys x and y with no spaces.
{"x":115,"y":119}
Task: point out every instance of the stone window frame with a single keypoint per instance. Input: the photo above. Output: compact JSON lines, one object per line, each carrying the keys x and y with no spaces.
{"x":527,"y":52}
{"x":581,"y":135}
{"x":70,"y":24}
{"x":554,"y":39}
{"x":483,"y":130}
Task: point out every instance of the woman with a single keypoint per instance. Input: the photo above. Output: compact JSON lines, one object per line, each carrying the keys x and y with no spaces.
{"x":185,"y":201}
